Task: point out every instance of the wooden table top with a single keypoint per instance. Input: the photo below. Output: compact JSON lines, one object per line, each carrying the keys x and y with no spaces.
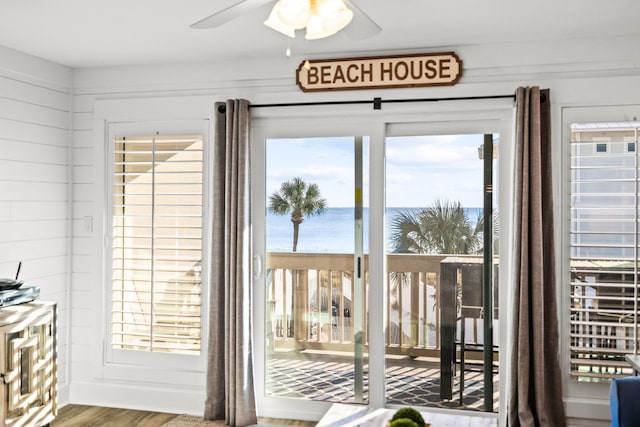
{"x":344,"y":415}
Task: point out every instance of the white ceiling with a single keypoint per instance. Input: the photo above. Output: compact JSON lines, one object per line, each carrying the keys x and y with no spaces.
{"x":92,"y":33}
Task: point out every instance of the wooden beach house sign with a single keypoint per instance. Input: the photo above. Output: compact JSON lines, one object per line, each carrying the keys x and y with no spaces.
{"x":429,"y":69}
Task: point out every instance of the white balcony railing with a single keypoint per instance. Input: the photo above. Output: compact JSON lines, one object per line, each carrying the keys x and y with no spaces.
{"x":309,"y":303}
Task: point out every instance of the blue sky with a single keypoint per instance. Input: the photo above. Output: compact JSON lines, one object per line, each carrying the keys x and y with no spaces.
{"x":418,"y":169}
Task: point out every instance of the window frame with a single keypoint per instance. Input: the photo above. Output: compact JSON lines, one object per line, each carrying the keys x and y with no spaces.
{"x":175,"y":115}
{"x":579,"y":396}
{"x":149,"y":358}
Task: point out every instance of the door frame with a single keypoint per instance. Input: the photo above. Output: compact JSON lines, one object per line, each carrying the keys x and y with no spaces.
{"x":459,"y":117}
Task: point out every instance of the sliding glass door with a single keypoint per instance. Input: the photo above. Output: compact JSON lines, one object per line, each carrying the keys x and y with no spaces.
{"x":376,"y":269}
{"x":440,"y":213}
{"x":315,"y":268}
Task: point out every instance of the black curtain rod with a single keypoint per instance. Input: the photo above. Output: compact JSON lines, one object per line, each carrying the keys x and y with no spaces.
{"x":377,"y":102}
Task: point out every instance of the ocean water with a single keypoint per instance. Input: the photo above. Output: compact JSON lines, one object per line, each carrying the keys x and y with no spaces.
{"x":331,"y":232}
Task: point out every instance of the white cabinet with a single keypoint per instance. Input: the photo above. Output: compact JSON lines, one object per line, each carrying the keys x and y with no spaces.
{"x":28,"y":364}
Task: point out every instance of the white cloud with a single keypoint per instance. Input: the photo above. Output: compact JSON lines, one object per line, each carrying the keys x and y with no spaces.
{"x":419,"y":169}
{"x":398,"y":178}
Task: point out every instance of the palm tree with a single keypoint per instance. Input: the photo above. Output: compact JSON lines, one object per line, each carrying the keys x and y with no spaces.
{"x":300,"y":200}
{"x":439,"y":229}
{"x":443,"y":228}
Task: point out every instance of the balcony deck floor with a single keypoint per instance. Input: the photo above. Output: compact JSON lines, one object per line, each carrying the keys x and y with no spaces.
{"x":410,"y":382}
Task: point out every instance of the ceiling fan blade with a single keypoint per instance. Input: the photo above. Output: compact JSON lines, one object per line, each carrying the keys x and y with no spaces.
{"x":228,"y":14}
{"x":362,"y":26}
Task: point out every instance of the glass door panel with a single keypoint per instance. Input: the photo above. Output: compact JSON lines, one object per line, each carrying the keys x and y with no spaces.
{"x":316,"y":269}
{"x":440,"y":210}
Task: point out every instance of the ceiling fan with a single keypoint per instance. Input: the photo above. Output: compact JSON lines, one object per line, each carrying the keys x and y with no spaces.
{"x":359,"y":28}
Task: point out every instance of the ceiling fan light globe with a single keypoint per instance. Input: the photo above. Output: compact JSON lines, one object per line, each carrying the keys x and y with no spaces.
{"x":294,"y":13}
{"x":274,"y":22}
{"x":340,"y":20}
{"x":320,"y":27}
{"x":315,"y":29}
{"x":328,"y":8}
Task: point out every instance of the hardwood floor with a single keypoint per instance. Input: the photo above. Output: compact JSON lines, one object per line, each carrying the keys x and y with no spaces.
{"x":97,"y":416}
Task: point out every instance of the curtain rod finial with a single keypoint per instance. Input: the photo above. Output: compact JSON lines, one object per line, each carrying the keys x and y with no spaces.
{"x":222,"y":109}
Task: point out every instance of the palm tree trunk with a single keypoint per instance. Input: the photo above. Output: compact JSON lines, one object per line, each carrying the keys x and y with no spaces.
{"x":296,"y":226}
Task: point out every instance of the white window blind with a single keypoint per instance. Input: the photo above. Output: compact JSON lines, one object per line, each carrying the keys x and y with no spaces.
{"x":604,"y":249}
{"x":157,"y":243}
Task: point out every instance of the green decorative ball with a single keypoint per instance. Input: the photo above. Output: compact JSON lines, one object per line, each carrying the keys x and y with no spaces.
{"x":404,"y":422}
{"x":409,"y":413}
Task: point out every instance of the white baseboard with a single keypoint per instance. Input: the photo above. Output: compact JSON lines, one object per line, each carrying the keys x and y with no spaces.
{"x":154,"y":397}
{"x":585,"y":412}
{"x":582,"y":422}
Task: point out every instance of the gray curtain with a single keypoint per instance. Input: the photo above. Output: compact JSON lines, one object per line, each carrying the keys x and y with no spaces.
{"x":230,"y":393}
{"x":535,"y":397}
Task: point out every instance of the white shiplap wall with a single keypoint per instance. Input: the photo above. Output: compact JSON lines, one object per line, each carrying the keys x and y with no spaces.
{"x":35,"y":182}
